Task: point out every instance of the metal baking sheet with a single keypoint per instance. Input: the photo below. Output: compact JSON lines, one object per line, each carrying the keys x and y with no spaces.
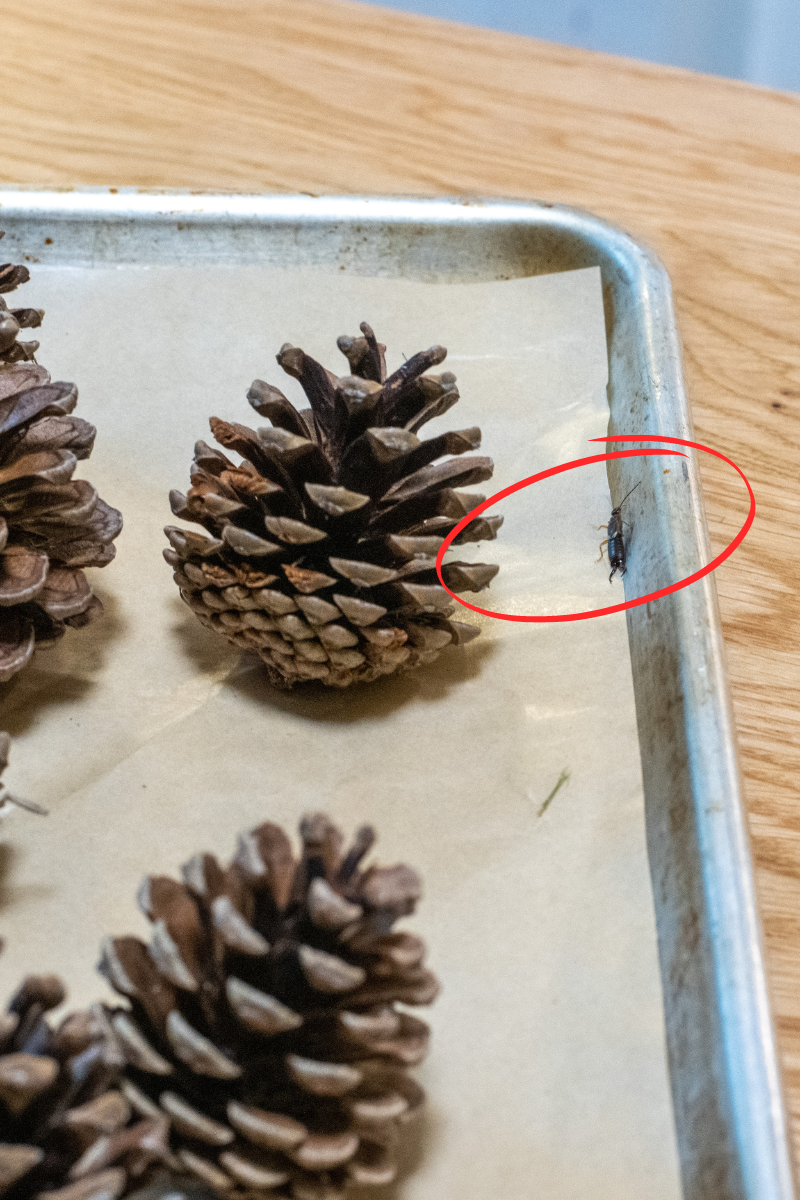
{"x":729,"y":1112}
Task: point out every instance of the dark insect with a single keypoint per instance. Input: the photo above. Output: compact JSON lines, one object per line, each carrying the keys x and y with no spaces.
{"x":616,"y":540}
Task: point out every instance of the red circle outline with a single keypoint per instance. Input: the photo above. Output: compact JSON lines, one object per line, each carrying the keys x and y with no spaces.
{"x":582,"y":462}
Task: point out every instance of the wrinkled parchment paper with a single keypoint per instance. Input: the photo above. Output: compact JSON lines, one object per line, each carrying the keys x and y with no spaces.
{"x":149,"y":738}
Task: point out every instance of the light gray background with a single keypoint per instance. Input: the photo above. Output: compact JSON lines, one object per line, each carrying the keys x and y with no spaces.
{"x":756,"y":40}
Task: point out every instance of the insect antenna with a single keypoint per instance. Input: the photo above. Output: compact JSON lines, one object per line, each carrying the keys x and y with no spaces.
{"x":630,"y":493}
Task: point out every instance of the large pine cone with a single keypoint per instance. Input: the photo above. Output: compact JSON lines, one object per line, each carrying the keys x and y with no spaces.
{"x":51,"y":525}
{"x":65,"y":1132}
{"x":263,"y":1014}
{"x":324,"y":540}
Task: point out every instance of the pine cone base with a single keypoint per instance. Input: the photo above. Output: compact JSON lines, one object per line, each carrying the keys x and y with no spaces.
{"x":366,"y":655}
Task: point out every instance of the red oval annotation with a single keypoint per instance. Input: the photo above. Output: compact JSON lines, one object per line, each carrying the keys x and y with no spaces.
{"x":584,"y":462}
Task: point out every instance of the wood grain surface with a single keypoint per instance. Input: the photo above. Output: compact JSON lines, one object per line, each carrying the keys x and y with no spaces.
{"x":324,"y":96}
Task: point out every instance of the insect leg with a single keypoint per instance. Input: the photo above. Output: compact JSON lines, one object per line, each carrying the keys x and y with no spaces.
{"x":605,"y":543}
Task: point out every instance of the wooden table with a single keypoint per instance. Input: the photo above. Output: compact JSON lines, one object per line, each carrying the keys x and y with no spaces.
{"x":317,"y":96}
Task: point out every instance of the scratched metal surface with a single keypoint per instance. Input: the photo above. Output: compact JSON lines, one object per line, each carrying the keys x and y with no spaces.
{"x":725,"y":1082}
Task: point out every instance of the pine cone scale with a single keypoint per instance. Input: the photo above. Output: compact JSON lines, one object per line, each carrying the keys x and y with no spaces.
{"x":17,"y":640}
{"x":106,"y":1185}
{"x":16,"y":379}
{"x":66,"y":593}
{"x":323,"y":1152}
{"x":28,"y":403}
{"x":269,"y":1131}
{"x":254,"y":1170}
{"x":23,"y":574}
{"x":12,"y":276}
{"x":190,"y":1122}
{"x":106,"y":1114}
{"x":15,"y":1162}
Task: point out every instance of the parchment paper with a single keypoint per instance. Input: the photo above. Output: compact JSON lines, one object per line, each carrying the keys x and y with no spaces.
{"x":149,"y":738}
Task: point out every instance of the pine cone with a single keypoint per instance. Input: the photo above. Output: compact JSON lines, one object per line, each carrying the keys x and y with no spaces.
{"x":65,"y":1132}
{"x":263,"y":1014}
{"x":51,"y":526}
{"x":324,"y":540}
